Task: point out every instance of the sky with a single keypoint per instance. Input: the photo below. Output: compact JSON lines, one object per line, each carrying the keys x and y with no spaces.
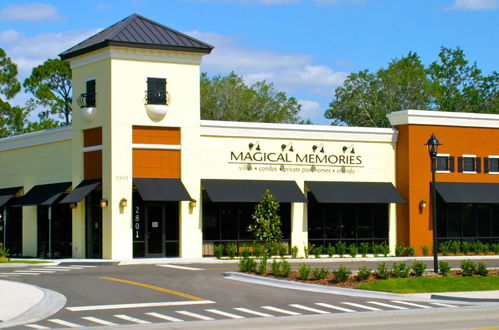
{"x":304,"y":47}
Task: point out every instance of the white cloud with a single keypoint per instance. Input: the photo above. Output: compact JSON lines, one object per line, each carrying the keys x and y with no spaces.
{"x":9,"y":36}
{"x":28,"y":52}
{"x":475,"y":5}
{"x":310,"y":109}
{"x":290,"y":72}
{"x":29,"y":12}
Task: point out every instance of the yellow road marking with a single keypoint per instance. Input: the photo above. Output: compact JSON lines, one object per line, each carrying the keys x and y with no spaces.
{"x":153,"y":287}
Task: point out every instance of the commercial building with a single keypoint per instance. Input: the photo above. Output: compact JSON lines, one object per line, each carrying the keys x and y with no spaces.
{"x":138,"y":174}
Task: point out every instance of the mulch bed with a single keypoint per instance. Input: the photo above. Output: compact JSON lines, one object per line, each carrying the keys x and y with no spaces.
{"x":352,"y":280}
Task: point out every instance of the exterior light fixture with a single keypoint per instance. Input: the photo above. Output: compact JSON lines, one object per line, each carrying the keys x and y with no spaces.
{"x":315,"y":147}
{"x":103,"y":203}
{"x":72,"y":205}
{"x":422,"y":205}
{"x":290,"y":145}
{"x":192,"y":203}
{"x":432,"y":146}
{"x":257,"y":144}
{"x":123,"y":202}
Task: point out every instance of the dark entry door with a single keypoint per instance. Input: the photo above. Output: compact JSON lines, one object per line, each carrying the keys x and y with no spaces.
{"x":155,"y":221}
{"x":93,"y":226}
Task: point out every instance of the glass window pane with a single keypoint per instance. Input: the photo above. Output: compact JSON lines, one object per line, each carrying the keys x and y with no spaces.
{"x":483,"y":220}
{"x":469,"y":220}
{"x":364,"y":221}
{"x":245,"y":219}
{"x":442,"y":163}
{"x":380,"y":221}
{"x":454,"y":221}
{"x":228,"y":223}
{"x":469,"y":164}
{"x":493,"y":164}
{"x":495,"y":221}
{"x":332,"y":221}
{"x":285,"y":214}
{"x":348,"y":219}
{"x":171,"y":221}
{"x":315,"y":219}
{"x":210,"y":222}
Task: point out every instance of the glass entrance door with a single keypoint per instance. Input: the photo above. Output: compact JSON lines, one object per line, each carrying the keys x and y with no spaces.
{"x":155,"y":217}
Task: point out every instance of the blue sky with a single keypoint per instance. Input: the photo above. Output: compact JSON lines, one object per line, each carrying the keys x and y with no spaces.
{"x":305,"y":47}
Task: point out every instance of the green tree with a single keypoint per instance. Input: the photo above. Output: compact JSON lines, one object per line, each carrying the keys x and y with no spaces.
{"x":267,"y":222}
{"x":50,"y":83}
{"x":11,"y":117}
{"x":229,"y":98}
{"x":461,"y":86}
{"x":365,"y":98}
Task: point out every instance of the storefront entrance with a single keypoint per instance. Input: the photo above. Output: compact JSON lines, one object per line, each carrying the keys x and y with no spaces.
{"x":93,"y":225}
{"x":155,"y":232}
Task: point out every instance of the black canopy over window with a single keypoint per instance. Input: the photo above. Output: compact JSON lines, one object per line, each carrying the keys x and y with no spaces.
{"x":252,"y":190}
{"x":81,"y":191}
{"x":354,"y":192}
{"x":468,"y":192}
{"x":7,"y":193}
{"x":161,"y":189}
{"x":45,"y":194}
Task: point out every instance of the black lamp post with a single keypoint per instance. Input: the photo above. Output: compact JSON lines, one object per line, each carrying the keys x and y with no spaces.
{"x":433,"y":145}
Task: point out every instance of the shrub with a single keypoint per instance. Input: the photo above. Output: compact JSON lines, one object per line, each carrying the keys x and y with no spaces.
{"x":317,"y":251}
{"x":466,"y":247}
{"x":218,"y":250}
{"x":377,"y":249}
{"x":385,"y":249}
{"x":285,"y":268}
{"x":455,"y":247}
{"x":410,"y":251}
{"x":341,"y":248}
{"x":259,"y":250}
{"x":400,"y":270}
{"x":245,"y":252}
{"x":308,"y":249}
{"x":3,"y":251}
{"x":418,"y":267}
{"x":364,"y":249}
{"x":275,"y":268}
{"x":319,"y":273}
{"x":247,"y":265}
{"x":481,"y":269}
{"x":363,"y":274}
{"x":495,"y":248}
{"x":486,"y":248}
{"x":342,"y":274}
{"x":230,"y":250}
{"x":294,"y":252}
{"x":399,"y":250}
{"x":468,"y":268}
{"x":304,"y":271}
{"x":353,"y":250}
{"x":444,"y":248}
{"x":262,"y":266}
{"x":444,"y":268}
{"x":331,"y":250}
{"x":425,"y":250}
{"x":283,"y":250}
{"x":477,"y":247}
{"x":382,"y":272}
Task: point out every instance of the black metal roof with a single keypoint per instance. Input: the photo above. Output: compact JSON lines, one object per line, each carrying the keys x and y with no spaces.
{"x":136,"y":31}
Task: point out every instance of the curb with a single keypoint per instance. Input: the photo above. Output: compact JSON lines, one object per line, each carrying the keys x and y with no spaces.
{"x":50,"y":304}
{"x":464,"y":299}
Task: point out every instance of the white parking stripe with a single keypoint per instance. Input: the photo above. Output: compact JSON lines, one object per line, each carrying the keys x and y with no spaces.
{"x":279,"y":310}
{"x":19,"y":273}
{"x":35,"y":326}
{"x":310,"y":309}
{"x":165,"y":317}
{"x":250,"y":311}
{"x":341,"y":309}
{"x":386,"y":305}
{"x":34,"y":271}
{"x":98,"y":321}
{"x":139,"y":305}
{"x":362,"y":306}
{"x":443,"y":305}
{"x":83,"y":266}
{"x":58,"y":269}
{"x":180,"y":267}
{"x":131,"y":319}
{"x":65,"y":323}
{"x":194,"y":315}
{"x":230,"y":315}
{"x":410,"y":304}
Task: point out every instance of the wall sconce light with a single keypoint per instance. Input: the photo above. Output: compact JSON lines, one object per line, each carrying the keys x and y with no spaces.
{"x":257,"y":144}
{"x":103,"y":203}
{"x":352,"y":150}
{"x":123,"y":202}
{"x":192,"y":203}
{"x":422,"y":205}
{"x":72,"y":205}
{"x":290,"y":145}
{"x":315,"y":147}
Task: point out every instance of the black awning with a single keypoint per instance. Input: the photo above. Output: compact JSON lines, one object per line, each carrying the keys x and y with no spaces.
{"x":354,"y":192}
{"x":468,"y":192}
{"x":161,"y":189}
{"x":44,"y":194}
{"x":81,"y":191}
{"x":7,"y":193}
{"x":252,"y":190}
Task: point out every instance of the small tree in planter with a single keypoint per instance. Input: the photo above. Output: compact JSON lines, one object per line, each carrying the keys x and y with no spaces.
{"x":267,"y":222}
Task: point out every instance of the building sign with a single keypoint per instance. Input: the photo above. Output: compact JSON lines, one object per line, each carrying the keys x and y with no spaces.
{"x":318,"y":160}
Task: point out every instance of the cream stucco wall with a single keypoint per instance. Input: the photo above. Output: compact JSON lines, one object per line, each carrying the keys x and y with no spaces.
{"x":33,"y":159}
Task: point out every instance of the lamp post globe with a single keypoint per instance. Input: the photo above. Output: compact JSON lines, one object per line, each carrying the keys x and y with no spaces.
{"x":432,"y":146}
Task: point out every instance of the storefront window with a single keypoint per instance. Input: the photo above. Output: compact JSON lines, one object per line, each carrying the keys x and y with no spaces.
{"x":14,"y":232}
{"x":61,"y":231}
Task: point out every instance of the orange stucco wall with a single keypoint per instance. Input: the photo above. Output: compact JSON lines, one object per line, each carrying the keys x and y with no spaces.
{"x":414,"y":227}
